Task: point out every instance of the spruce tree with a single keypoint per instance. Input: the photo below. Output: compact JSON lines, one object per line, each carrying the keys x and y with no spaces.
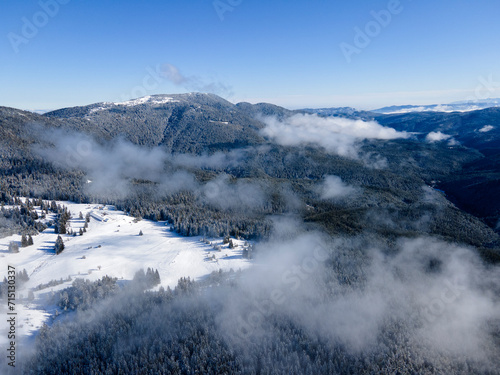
{"x":59,"y":246}
{"x":24,"y":241}
{"x":62,"y":228}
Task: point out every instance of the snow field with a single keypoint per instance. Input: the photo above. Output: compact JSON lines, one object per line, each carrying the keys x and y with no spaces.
{"x":111,"y":246}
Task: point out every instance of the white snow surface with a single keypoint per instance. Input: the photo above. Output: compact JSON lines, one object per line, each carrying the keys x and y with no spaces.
{"x":130,"y":103}
{"x":147,"y":99}
{"x":110,"y":247}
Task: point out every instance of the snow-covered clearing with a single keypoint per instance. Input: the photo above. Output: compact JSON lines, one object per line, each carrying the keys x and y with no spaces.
{"x":111,"y":246}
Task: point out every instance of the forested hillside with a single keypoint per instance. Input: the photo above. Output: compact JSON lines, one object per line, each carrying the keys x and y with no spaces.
{"x":222,"y":146}
{"x":373,"y":234}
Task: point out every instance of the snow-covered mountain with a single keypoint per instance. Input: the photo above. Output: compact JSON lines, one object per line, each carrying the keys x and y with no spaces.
{"x":460,"y":106}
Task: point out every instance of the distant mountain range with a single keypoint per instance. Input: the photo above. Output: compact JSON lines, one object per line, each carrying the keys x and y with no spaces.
{"x":462,"y":158}
{"x":461,"y":106}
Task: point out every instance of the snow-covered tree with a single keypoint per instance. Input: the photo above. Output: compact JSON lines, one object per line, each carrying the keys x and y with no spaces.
{"x":13,"y":247}
{"x":24,"y":241}
{"x":59,"y":246}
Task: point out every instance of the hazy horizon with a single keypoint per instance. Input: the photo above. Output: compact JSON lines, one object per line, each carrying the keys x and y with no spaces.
{"x":294,"y":54}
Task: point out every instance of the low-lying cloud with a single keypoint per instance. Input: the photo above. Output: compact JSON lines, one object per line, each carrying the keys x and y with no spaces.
{"x":440,"y":296}
{"x":437,"y":137}
{"x":486,"y":128}
{"x":220,"y":192}
{"x":333,"y":188}
{"x":111,"y":169}
{"x":340,"y":136}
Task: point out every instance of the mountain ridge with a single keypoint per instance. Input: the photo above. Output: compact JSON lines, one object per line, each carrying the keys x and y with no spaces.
{"x":204,"y":124}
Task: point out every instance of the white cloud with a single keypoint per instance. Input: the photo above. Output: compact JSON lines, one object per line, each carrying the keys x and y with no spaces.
{"x":437,"y":137}
{"x":112,"y":168}
{"x":337,"y":135}
{"x":334,"y":188}
{"x":222,"y":193}
{"x":486,"y":128}
{"x":435,"y":291}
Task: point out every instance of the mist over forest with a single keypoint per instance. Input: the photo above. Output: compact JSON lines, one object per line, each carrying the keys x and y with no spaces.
{"x":365,"y":253}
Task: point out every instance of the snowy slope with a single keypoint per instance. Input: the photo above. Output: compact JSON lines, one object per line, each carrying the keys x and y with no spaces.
{"x":153,"y":100}
{"x":112,"y":246}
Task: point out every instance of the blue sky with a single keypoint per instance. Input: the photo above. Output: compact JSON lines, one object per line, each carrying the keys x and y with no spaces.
{"x":286,"y":52}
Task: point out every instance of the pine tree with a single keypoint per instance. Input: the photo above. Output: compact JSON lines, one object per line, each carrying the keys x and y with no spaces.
{"x":59,"y":246}
{"x":140,"y":233}
{"x":30,"y":240}
{"x":62,"y":228}
{"x":24,"y":241}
